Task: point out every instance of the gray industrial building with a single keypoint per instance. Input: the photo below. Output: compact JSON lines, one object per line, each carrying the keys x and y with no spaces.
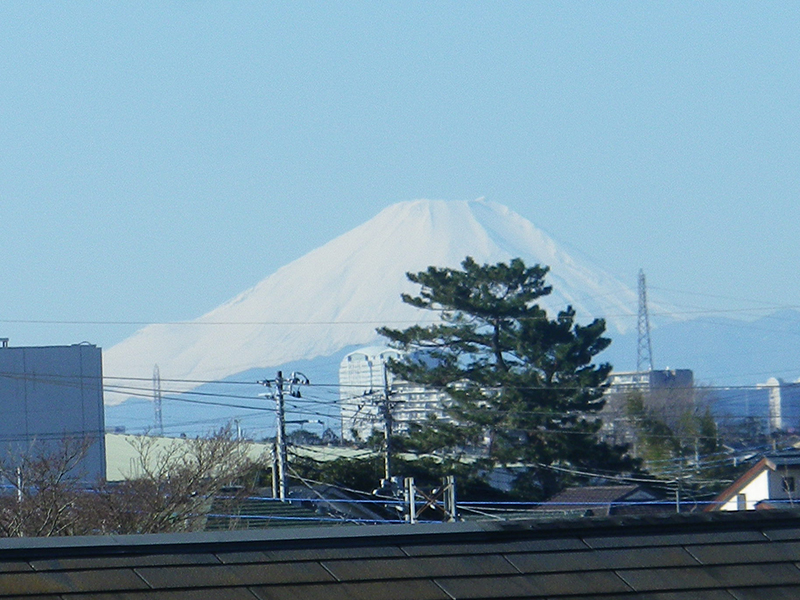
{"x":49,"y":394}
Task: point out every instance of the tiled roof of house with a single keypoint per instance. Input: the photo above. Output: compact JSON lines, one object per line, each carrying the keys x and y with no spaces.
{"x":709,"y":556}
{"x":605,"y":500}
{"x":784,"y":458}
{"x":589,"y":494}
{"x":771,"y":460}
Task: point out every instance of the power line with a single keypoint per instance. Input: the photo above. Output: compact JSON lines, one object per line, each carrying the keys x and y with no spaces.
{"x":55,"y":379}
{"x":178,"y":396}
{"x":198,"y":323}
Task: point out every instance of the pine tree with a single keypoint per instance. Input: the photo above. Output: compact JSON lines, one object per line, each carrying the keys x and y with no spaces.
{"x":523,"y":388}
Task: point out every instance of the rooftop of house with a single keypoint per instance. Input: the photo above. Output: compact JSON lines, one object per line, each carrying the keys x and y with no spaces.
{"x":789,"y":457}
{"x":698,"y":556}
{"x":587,"y":495}
{"x":770,"y":461}
{"x":605,"y":500}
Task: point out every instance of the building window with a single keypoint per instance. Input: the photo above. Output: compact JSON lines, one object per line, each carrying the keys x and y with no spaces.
{"x":787,"y":483}
{"x":741,"y":502}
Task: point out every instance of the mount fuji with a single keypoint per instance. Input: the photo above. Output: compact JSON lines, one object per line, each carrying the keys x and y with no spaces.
{"x":334,"y":297}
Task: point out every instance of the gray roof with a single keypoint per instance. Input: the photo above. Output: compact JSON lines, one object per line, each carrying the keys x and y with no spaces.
{"x":703,"y":556}
{"x":784,"y":458}
{"x":605,"y":500}
{"x":601,"y":494}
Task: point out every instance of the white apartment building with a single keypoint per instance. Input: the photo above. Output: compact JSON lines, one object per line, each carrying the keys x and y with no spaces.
{"x":363,"y":382}
{"x":784,"y":404}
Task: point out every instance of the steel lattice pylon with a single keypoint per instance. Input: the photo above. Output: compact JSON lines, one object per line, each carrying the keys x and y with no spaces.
{"x":644,"y":350}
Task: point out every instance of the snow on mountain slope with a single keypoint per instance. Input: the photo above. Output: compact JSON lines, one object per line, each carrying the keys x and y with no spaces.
{"x":335,"y":296}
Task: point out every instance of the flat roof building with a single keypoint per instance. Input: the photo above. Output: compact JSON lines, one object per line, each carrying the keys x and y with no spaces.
{"x":364,"y":380}
{"x":49,"y":394}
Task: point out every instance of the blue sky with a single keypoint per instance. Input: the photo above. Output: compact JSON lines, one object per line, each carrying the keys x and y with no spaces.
{"x":157,"y":158}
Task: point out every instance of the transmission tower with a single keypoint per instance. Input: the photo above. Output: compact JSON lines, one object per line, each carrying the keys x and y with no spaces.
{"x":157,"y":400}
{"x":644,"y":351}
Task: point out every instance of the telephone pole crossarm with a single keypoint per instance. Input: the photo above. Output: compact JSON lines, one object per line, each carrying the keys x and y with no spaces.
{"x":293,"y":383}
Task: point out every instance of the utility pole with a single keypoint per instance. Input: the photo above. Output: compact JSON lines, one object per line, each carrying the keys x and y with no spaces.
{"x":387,"y":426}
{"x":274,"y":465}
{"x":295,"y":380}
{"x":280,"y":436}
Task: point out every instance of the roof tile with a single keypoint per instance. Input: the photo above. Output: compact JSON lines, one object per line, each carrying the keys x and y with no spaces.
{"x":110,"y":562}
{"x":602,"y":559}
{"x":710,"y":577}
{"x":421,"y":589}
{"x":413,"y":568}
{"x":534,"y":545}
{"x":534,"y":586}
{"x":772,"y":593}
{"x":218,"y":576}
{"x":351,"y":553}
{"x":710,"y":554}
{"x":57,"y":582}
{"x":238,"y":593}
{"x":677,"y":539}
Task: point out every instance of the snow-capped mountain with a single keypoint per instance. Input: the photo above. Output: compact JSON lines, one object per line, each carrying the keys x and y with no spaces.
{"x":336,"y":295}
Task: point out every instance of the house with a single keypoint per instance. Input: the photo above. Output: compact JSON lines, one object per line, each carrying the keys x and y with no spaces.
{"x":746,"y":555}
{"x":606,"y":500}
{"x":772,"y":481}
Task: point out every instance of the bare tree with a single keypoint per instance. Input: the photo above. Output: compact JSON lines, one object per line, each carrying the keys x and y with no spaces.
{"x":174,"y":484}
{"x":45,"y":489}
{"x":172,"y":488}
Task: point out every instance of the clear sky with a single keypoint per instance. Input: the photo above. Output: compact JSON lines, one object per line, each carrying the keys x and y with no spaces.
{"x":157,"y":158}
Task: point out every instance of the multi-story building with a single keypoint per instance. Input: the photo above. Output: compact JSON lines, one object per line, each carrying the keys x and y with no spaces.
{"x":667,"y":393}
{"x":48,"y":395}
{"x":364,"y":381}
{"x":773,"y":406}
{"x":649,"y":381}
{"x":784,"y":404}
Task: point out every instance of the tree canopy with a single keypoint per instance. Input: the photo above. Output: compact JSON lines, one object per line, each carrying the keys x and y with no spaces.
{"x":523,"y":387}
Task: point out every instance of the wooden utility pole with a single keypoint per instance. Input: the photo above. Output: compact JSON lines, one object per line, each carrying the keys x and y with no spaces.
{"x":280,"y":436}
{"x":296,"y":379}
{"x":387,"y":427}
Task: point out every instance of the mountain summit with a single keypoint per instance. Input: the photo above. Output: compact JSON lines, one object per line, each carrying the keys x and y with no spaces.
{"x":335,"y":296}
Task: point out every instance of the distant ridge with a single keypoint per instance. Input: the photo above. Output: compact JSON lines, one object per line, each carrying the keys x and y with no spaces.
{"x":336,"y":295}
